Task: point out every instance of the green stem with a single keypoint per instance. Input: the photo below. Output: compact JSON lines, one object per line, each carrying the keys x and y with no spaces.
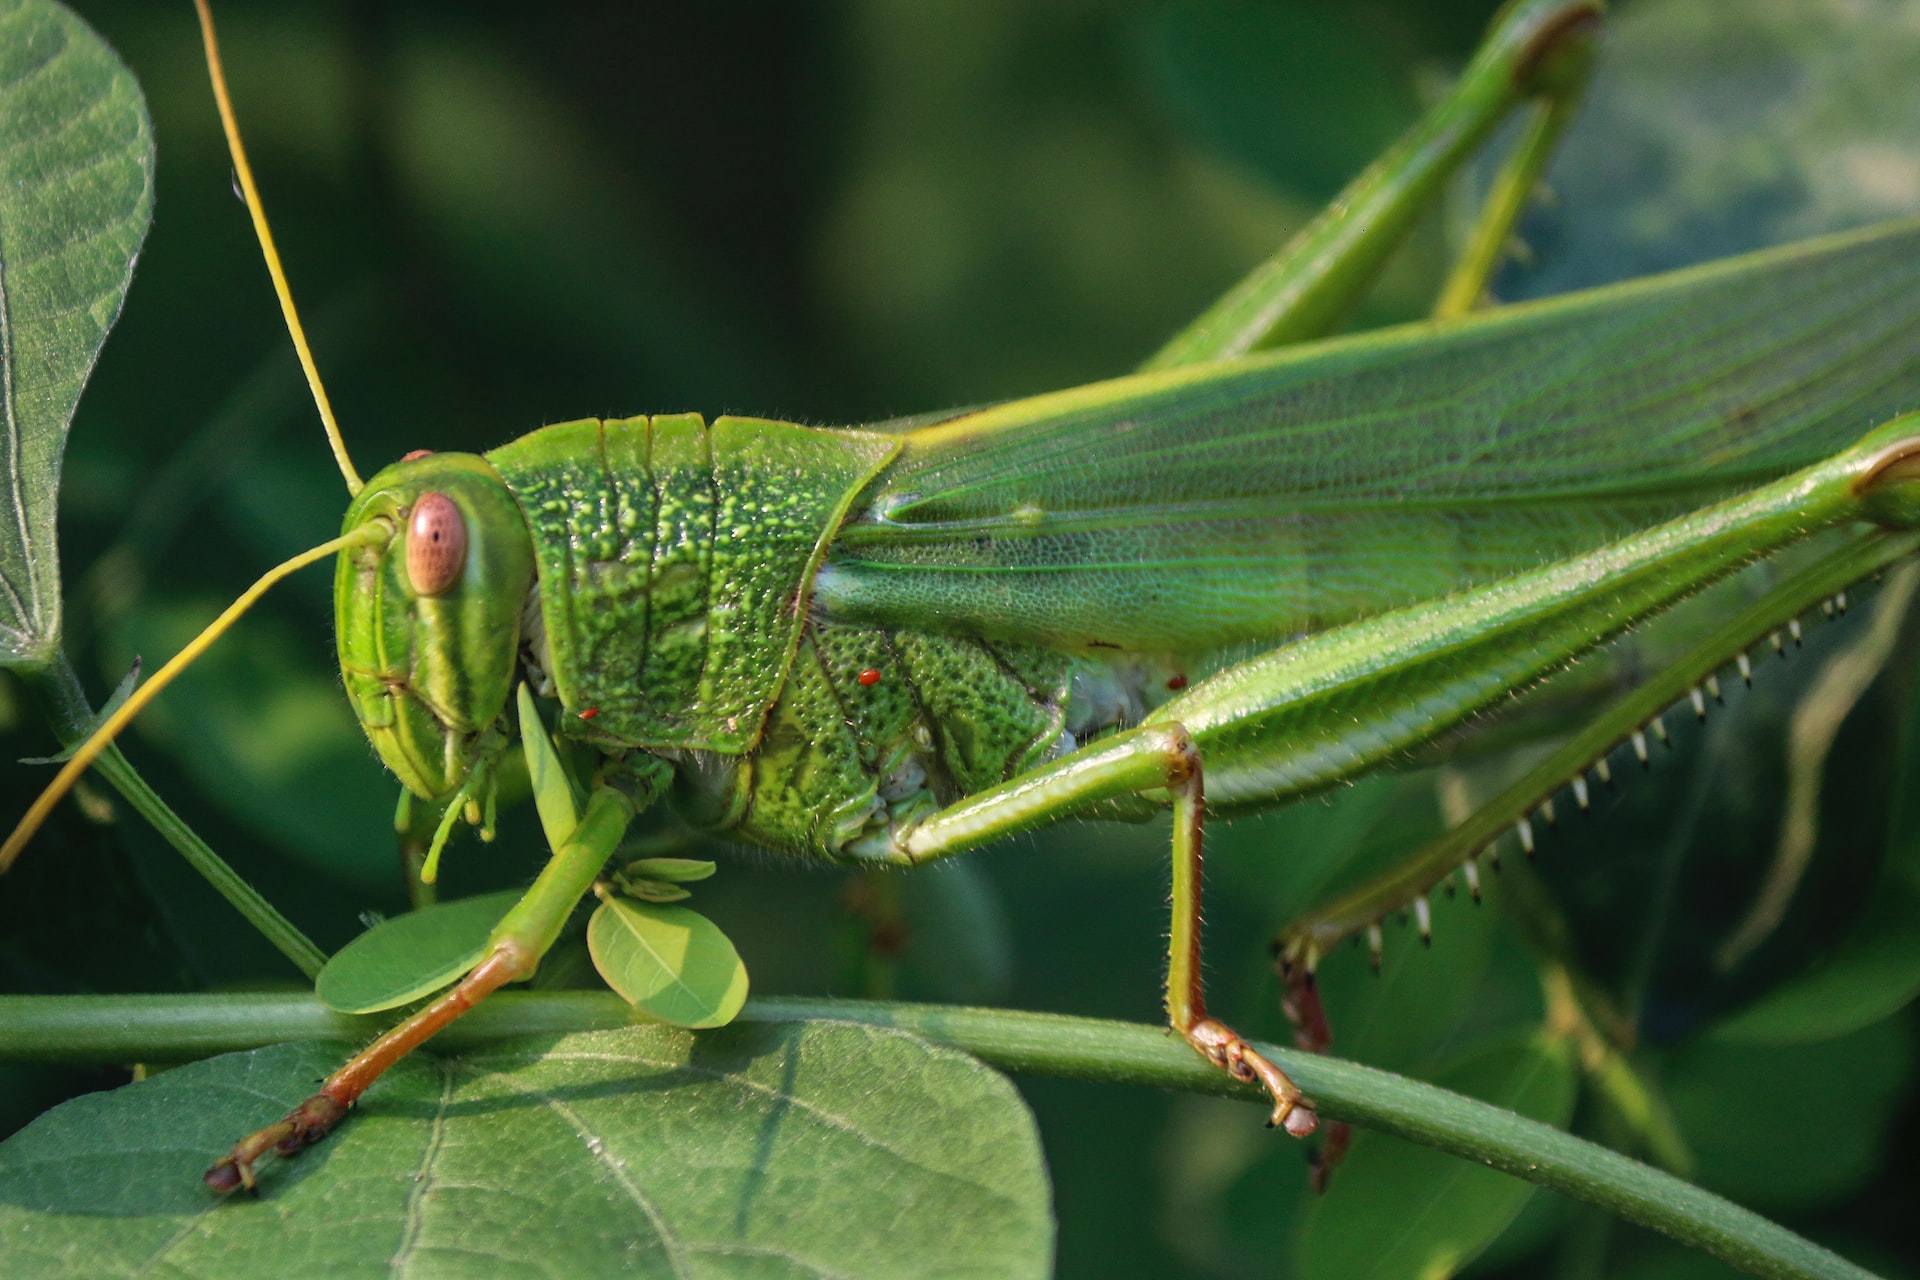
{"x":58,"y":690}
{"x":173,"y":1028}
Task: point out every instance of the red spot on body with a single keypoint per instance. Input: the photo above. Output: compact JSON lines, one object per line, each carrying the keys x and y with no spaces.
{"x":1177,"y":681}
{"x":417,"y":454}
{"x":590,"y":713}
{"x":869,"y":677}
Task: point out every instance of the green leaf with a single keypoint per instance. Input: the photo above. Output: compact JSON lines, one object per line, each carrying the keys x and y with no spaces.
{"x":1401,"y":1210}
{"x":1873,"y":973}
{"x":1733,"y":1102}
{"x":801,"y":1150}
{"x":653,"y":890}
{"x":76,"y":194}
{"x":553,"y":790}
{"x":400,"y":960}
{"x":670,"y":962}
{"x":672,"y":870}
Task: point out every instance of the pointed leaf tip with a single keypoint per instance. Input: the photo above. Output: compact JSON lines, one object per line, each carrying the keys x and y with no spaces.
{"x":74,"y":207}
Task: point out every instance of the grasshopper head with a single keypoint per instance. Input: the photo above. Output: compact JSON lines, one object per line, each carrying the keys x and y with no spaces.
{"x":429,"y":620}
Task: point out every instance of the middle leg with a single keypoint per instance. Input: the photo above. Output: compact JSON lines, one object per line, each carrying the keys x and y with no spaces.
{"x":1159,"y":759}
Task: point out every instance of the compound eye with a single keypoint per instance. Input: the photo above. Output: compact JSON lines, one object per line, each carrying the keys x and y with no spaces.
{"x":436,"y":544}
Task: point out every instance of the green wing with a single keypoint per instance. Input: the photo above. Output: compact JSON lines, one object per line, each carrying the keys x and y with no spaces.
{"x":1283,"y":493}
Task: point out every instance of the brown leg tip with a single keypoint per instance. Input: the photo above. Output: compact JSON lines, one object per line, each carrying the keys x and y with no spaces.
{"x":312,"y":1120}
{"x":305,"y":1125}
{"x":1223,"y":1047}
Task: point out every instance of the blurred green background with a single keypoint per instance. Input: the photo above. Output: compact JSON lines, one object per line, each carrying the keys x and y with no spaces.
{"x":497,"y":216}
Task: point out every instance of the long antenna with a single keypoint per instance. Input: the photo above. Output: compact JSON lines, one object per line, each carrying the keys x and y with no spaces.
{"x":103,"y":736}
{"x":251,"y":195}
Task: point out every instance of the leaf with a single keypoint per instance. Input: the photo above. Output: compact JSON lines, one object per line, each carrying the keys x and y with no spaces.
{"x":1874,"y":973}
{"x":653,"y":890}
{"x":553,"y":791}
{"x":1736,"y":1103}
{"x":400,"y":960}
{"x":770,"y":1150}
{"x":1401,"y":1210}
{"x":76,"y":194}
{"x":660,"y":879}
{"x":672,"y":870}
{"x":670,"y":962}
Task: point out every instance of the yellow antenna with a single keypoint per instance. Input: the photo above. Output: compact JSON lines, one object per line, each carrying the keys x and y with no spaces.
{"x":252,"y":196}
{"x":102,"y":737}
{"x":373,"y":531}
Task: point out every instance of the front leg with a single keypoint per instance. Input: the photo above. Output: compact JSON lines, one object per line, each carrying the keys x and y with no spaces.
{"x":507,"y":960}
{"x":521,"y":938}
{"x":1158,"y":759}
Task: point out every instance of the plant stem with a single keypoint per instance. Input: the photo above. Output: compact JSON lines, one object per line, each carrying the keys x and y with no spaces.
{"x":175,"y":1028}
{"x":60,"y":695}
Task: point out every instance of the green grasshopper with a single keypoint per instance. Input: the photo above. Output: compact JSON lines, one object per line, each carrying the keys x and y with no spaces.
{"x":885,"y":647}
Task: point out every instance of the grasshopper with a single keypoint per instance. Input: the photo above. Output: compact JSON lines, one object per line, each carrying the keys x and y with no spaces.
{"x":889,"y":647}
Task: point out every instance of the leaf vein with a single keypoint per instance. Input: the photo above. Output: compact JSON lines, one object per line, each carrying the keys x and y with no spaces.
{"x":735,"y":1249}
{"x":186,"y":1232}
{"x":10,"y":424}
{"x":423,"y":1179}
{"x":830,"y":1118}
{"x":676,"y":1248}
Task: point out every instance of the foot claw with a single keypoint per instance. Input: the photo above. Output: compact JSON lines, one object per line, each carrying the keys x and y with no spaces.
{"x":1223,"y":1047}
{"x":303,"y":1126}
{"x":225,"y":1176}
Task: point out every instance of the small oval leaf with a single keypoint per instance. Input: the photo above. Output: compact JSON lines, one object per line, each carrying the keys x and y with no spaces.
{"x":671,"y":963}
{"x":402,"y":959}
{"x":654,"y":890}
{"x":672,"y":870}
